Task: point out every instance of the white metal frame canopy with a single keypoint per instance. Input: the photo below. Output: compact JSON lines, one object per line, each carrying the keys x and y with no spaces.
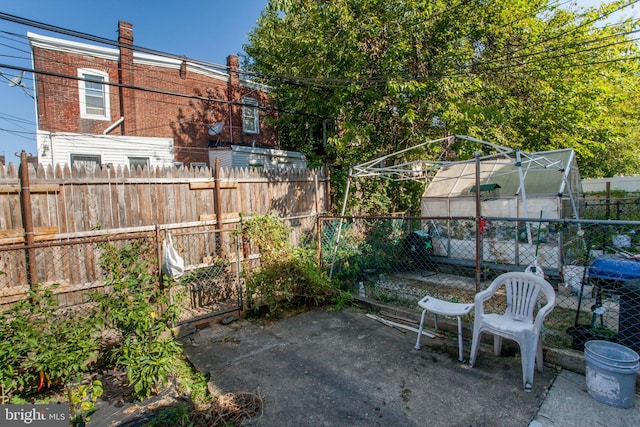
{"x":425,"y":170}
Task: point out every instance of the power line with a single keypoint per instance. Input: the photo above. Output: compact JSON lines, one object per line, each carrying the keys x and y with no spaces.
{"x":327,"y":83}
{"x":567,"y":31}
{"x":102,"y":40}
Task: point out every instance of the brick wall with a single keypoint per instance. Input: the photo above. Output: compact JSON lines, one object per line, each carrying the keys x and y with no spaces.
{"x":144,"y":98}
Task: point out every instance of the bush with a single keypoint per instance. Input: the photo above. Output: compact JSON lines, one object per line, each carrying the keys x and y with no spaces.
{"x":42,"y":347}
{"x":138,"y":307}
{"x":288,"y":277}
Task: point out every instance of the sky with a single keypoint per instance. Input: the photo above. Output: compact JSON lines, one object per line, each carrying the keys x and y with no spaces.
{"x":206,"y":30}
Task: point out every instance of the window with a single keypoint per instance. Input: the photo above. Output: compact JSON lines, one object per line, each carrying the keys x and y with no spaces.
{"x":250,"y":122}
{"x":134,"y":162}
{"x":88,"y":161}
{"x":196,"y":165}
{"x":94,"y":94}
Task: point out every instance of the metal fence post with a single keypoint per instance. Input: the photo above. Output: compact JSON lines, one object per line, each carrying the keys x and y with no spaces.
{"x":478,"y":226}
{"x":218,"y":206}
{"x":27,"y":219}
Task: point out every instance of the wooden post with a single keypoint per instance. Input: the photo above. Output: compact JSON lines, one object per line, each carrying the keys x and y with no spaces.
{"x":27,"y":219}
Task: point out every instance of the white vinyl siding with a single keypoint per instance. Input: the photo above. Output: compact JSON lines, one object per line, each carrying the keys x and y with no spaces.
{"x":94,"y":94}
{"x":105,"y":149}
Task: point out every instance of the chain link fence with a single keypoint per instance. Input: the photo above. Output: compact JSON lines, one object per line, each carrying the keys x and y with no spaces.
{"x":593,"y":265}
{"x":211,"y":284}
{"x":619,"y":208}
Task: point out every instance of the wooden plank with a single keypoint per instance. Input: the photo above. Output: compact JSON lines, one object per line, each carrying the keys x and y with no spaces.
{"x":40,"y":231}
{"x":402,"y":328}
{"x":17,"y":232}
{"x":44,"y":188}
{"x":225,"y":215}
{"x":211,"y":185}
{"x":10,"y":188}
{"x":11,"y":240}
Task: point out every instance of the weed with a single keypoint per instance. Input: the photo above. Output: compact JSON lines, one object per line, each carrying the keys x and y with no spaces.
{"x":42,"y":347}
{"x":342,"y":300}
{"x":82,"y":399}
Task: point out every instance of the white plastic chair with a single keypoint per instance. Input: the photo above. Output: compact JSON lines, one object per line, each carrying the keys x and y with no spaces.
{"x":517,"y":323}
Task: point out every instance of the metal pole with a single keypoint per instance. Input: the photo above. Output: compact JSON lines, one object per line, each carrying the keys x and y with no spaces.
{"x":27,"y":219}
{"x":344,"y":208}
{"x":160,"y":255}
{"x":478,"y":219}
{"x":319,"y":237}
{"x":607,"y":200}
{"x":523,"y":194}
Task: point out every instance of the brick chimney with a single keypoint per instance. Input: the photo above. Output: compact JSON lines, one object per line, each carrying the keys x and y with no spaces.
{"x":235,"y":110}
{"x":126,"y":78}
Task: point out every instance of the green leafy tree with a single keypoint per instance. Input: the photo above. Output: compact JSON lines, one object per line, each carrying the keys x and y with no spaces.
{"x":354,"y":79}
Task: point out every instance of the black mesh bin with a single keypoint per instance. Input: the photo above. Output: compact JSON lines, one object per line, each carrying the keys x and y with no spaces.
{"x":419,"y":247}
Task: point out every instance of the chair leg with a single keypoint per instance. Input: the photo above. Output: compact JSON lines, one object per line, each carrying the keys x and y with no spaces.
{"x":460,"y":355}
{"x":497,"y":345}
{"x":420,"y":330}
{"x":475,"y":342}
{"x":539,"y":361}
{"x":527,"y":354}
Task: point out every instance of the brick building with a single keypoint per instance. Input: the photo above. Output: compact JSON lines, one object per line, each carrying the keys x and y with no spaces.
{"x":126,"y":105}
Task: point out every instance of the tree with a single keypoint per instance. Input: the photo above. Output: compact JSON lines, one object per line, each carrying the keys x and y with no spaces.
{"x":392,"y":74}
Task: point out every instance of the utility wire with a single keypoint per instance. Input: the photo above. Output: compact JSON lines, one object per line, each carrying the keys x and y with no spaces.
{"x":326,"y":83}
{"x":567,"y":31}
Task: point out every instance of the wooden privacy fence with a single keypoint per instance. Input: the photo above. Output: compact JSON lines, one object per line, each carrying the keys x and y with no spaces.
{"x":45,"y":211}
{"x":60,"y":201}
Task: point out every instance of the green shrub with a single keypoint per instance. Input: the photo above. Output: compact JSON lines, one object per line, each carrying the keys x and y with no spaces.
{"x":138,"y":307}
{"x":287,"y":277}
{"x":42,"y":347}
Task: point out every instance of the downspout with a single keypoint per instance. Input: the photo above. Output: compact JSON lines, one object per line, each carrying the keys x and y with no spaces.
{"x":113,"y":126}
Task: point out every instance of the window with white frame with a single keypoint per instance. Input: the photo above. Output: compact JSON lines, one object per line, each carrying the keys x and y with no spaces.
{"x":141,"y":162}
{"x":250,"y":119}
{"x":94,"y":94}
{"x":89,"y":161}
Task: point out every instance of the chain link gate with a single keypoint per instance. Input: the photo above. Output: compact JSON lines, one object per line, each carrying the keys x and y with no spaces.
{"x":211,"y":284}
